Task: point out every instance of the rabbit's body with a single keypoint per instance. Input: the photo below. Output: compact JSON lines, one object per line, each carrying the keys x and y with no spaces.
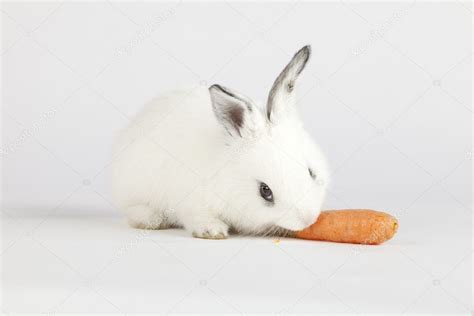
{"x":210,"y":159}
{"x":170,"y":149}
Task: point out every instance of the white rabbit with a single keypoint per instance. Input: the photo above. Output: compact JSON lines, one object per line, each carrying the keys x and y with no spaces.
{"x":210,"y":159}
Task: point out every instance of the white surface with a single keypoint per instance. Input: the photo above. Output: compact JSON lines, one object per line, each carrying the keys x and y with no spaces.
{"x":88,"y":263}
{"x":387,"y":94}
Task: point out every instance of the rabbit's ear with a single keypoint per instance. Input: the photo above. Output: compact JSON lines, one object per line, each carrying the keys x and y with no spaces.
{"x":237,"y":114}
{"x":281,"y":97}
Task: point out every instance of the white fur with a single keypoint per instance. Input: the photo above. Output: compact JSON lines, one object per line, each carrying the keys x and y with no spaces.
{"x":180,"y":164}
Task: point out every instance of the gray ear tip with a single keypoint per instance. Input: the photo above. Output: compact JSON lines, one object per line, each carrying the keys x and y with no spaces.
{"x":305,"y":51}
{"x":215,"y":87}
{"x":220,"y":89}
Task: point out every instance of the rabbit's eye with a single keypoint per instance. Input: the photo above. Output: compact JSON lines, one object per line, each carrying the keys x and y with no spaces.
{"x":266,"y":192}
{"x":311,"y":173}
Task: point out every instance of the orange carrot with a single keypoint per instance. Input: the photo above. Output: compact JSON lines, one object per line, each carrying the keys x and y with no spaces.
{"x":351,"y":226}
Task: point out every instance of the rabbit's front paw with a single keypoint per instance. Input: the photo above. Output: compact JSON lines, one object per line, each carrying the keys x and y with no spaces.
{"x":213,"y":230}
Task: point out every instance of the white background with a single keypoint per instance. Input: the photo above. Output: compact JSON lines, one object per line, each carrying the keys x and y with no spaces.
{"x":387,"y":95}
